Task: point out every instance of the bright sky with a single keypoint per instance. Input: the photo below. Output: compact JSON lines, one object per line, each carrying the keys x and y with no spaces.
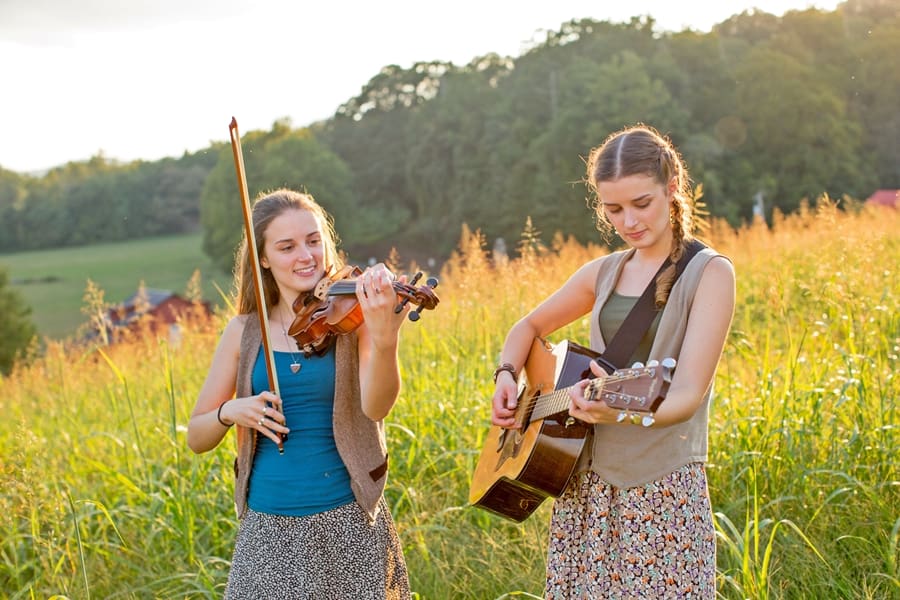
{"x":146,"y":79}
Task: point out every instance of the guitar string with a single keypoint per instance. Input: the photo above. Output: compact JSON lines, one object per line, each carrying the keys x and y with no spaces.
{"x":530,"y":404}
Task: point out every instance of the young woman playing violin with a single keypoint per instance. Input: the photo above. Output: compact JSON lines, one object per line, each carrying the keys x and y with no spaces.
{"x":313,"y":520}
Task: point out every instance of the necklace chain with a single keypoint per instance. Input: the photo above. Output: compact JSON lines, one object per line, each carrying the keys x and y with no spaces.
{"x":295,"y":362}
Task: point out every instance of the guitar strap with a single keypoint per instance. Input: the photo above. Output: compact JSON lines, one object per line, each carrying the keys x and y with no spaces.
{"x":635,"y":325}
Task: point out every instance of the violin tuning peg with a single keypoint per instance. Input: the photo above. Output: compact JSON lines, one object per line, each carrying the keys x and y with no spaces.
{"x":432,"y":282}
{"x":414,"y":315}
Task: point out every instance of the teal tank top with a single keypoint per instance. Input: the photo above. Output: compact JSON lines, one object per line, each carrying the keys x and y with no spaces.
{"x":310,"y":476}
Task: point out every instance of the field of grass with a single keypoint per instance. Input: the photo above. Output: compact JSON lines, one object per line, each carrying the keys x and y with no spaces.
{"x":101,"y":498}
{"x":53,"y":282}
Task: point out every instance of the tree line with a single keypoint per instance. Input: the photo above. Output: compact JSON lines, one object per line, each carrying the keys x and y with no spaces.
{"x":767,"y":108}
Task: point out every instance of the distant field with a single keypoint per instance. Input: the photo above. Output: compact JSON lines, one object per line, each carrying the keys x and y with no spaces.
{"x":53,"y":281}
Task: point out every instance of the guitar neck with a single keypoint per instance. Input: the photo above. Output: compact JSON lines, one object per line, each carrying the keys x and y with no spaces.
{"x":639,"y":397}
{"x":555,"y":402}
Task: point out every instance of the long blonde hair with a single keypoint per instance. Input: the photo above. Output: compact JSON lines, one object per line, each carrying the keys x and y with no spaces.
{"x":266,"y":208}
{"x":642,"y":150}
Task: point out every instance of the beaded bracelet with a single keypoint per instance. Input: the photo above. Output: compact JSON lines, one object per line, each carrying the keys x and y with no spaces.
{"x":219,"y":415}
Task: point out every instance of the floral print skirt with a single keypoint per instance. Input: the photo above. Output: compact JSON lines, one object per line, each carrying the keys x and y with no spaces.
{"x":652,"y":541}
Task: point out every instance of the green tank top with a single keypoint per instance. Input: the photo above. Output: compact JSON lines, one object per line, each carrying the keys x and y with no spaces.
{"x":613,"y":314}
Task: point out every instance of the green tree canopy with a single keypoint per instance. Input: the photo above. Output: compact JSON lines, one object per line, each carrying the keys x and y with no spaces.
{"x":16,"y":329}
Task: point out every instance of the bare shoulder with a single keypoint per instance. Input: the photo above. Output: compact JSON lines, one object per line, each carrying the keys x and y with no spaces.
{"x":234,"y":330}
{"x":719,"y":269}
{"x":588,"y":271}
{"x":717,"y":284}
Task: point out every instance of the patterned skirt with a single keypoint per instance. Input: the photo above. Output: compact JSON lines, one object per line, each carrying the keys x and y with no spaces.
{"x":332,"y":555}
{"x":652,"y":541}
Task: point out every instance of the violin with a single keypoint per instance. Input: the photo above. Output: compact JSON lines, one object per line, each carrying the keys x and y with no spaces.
{"x":332,"y":308}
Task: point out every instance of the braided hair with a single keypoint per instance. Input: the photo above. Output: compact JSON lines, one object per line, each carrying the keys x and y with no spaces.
{"x":641,"y":150}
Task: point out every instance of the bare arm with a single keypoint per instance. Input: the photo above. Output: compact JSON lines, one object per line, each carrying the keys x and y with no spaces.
{"x":379,"y":338}
{"x":205,"y":432}
{"x":574,"y":299}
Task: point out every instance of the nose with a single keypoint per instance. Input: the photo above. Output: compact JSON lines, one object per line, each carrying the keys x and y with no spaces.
{"x":630,"y":218}
{"x":303,"y":253}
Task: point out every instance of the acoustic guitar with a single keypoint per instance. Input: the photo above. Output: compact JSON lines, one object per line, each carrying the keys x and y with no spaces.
{"x":519,"y":468}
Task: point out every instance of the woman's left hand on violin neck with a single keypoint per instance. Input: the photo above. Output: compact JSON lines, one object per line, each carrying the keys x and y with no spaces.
{"x":379,"y":300}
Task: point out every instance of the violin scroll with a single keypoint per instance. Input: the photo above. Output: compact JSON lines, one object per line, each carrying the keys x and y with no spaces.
{"x":423,"y":297}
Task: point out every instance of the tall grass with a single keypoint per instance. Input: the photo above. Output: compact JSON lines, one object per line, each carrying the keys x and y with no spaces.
{"x":101,"y":499}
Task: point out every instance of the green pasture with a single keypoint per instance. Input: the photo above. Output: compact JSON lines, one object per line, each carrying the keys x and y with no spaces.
{"x":100,"y":497}
{"x":53,"y":282}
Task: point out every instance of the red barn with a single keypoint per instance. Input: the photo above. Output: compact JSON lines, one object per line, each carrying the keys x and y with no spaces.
{"x":157,"y":309}
{"x":889,"y":198}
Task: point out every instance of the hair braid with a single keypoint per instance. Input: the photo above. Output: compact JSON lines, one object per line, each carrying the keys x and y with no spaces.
{"x":666,"y":278}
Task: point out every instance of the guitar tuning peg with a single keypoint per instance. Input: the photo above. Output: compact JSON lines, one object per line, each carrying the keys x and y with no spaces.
{"x":669,"y":363}
{"x":621,"y":416}
{"x":637,"y":365}
{"x":653,"y":363}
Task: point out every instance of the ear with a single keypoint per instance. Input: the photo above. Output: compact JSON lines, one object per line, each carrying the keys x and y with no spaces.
{"x":264,"y":262}
{"x":672,"y":187}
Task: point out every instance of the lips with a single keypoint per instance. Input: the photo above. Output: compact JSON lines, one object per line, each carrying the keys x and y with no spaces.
{"x":306,"y":272}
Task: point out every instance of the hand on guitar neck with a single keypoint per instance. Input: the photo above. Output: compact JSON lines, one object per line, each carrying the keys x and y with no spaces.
{"x":621,"y":400}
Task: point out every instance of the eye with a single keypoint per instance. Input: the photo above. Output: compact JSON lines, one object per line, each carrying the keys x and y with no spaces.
{"x":613,"y":209}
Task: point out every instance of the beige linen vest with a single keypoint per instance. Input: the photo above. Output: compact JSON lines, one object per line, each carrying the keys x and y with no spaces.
{"x":628,"y":455}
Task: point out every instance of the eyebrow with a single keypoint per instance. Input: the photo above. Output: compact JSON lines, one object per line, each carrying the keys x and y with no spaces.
{"x":641,"y":197}
{"x":292,"y":240}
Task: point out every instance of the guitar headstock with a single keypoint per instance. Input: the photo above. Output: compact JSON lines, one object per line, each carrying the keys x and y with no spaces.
{"x":640,"y":388}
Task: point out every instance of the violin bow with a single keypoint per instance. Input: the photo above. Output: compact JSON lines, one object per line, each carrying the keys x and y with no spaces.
{"x":262,"y":307}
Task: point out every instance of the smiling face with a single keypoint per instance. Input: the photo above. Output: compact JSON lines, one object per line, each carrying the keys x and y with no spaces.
{"x":638,"y":207}
{"x":294,"y":252}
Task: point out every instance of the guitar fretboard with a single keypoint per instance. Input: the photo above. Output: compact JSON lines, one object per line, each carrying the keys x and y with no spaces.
{"x":557,"y":401}
{"x":550,"y":404}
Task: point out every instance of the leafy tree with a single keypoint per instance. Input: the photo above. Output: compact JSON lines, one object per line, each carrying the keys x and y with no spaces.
{"x":876,"y":98}
{"x":799,"y":134}
{"x":16,"y":329}
{"x":12,"y":192}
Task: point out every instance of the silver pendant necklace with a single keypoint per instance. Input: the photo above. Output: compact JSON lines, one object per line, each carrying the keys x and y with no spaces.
{"x":295,"y":362}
